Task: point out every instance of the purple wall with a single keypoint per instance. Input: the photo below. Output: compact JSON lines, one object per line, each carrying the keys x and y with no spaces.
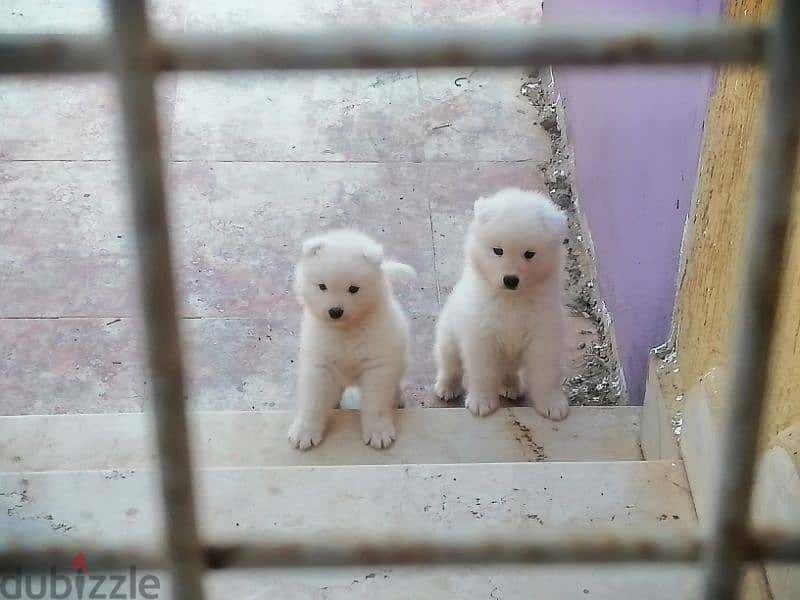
{"x":637,"y":137}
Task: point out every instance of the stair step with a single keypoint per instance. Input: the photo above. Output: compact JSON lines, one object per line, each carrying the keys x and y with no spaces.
{"x":664,"y":582}
{"x":465,"y":583}
{"x":119,"y":507}
{"x":258,"y":439}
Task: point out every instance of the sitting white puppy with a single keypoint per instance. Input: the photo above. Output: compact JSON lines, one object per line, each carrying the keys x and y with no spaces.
{"x":353,"y":333}
{"x":502,"y":330}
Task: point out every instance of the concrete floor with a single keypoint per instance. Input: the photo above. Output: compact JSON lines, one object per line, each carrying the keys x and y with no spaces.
{"x":256,"y":163}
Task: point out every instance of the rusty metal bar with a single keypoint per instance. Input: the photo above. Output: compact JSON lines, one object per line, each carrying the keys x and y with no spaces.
{"x":364,"y":548}
{"x":764,"y":270}
{"x":401,"y":48}
{"x":136,"y":75}
{"x":53,"y":53}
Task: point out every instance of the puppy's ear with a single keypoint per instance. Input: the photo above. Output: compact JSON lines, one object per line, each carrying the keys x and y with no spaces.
{"x":555,"y":222}
{"x":311,"y":247}
{"x":373,"y":252}
{"x":482,"y":209}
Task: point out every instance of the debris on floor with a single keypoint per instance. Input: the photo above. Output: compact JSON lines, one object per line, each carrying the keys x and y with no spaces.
{"x":595,"y":378}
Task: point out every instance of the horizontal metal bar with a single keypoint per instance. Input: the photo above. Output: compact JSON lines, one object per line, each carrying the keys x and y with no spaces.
{"x":401,"y":48}
{"x":371,"y":548}
{"x":53,"y":53}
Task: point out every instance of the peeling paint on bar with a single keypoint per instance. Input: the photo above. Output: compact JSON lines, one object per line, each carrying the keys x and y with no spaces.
{"x":362,"y":548}
{"x":399,"y":48}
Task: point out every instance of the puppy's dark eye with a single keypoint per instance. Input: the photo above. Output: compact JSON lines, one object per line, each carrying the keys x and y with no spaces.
{"x":530,"y":254}
{"x":323,"y":287}
{"x":498,"y":251}
{"x":353,"y":289}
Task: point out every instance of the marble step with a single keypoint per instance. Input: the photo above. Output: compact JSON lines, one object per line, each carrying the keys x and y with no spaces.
{"x":258,"y":439}
{"x":124,"y":507}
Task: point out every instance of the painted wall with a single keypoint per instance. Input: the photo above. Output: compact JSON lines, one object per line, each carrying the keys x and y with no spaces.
{"x":710,"y":287}
{"x":637,"y":135}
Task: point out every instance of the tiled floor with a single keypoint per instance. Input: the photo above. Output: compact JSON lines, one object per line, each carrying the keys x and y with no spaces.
{"x":257,"y":162}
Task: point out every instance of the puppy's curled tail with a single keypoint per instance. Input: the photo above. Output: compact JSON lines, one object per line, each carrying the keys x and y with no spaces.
{"x":398,"y":272}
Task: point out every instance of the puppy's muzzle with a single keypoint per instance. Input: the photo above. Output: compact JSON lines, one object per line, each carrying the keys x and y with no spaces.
{"x":336,"y":312}
{"x":511,"y":281}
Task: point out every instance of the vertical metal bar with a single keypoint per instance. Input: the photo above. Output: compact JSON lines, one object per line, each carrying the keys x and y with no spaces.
{"x":764,"y":266}
{"x":136,"y":73}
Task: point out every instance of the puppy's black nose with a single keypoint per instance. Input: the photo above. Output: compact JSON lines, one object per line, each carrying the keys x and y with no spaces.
{"x":335,"y":312}
{"x":511,"y":281}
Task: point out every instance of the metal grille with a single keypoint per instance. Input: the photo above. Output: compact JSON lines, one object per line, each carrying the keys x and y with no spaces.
{"x":137,"y":57}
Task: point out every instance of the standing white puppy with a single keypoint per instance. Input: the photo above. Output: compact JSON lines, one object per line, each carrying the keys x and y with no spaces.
{"x":502,"y":330}
{"x":354,"y":333}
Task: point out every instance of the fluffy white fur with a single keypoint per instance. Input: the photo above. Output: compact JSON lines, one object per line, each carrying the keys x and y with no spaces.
{"x":499,"y":341}
{"x":366,"y":346}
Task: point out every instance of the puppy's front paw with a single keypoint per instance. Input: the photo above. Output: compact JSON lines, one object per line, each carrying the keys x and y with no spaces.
{"x":481,"y":406}
{"x":304,"y":435}
{"x":553,"y":406}
{"x":379,"y":433}
{"x":447,"y":389}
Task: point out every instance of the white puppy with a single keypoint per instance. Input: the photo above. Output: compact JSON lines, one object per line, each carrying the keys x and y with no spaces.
{"x":354,"y":333}
{"x":502,"y":330}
